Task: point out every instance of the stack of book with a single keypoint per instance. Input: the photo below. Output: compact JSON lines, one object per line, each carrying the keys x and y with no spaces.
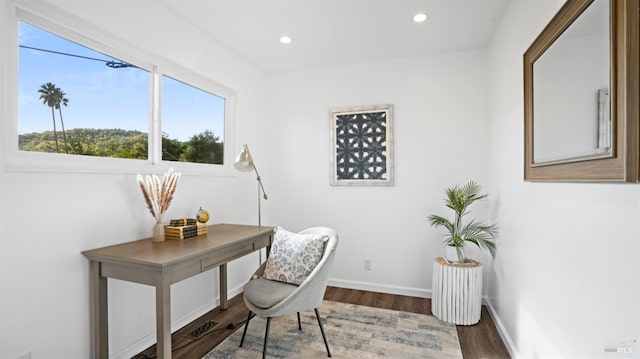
{"x":184,"y":228}
{"x":180,"y":222}
{"x":202,"y":228}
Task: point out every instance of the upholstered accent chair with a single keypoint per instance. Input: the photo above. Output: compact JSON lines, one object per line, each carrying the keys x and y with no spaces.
{"x":270,"y":298}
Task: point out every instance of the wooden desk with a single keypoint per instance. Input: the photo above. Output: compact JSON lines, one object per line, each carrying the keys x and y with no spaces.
{"x":162,"y":264}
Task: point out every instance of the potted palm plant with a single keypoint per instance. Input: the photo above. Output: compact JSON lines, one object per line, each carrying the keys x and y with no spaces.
{"x":459,"y":198}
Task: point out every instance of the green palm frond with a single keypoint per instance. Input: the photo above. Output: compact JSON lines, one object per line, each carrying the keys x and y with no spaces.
{"x":440,"y":221}
{"x":482,"y":235}
{"x":459,"y":198}
{"x":477,"y":228}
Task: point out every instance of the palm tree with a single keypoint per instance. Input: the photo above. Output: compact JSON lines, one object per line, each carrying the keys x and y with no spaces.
{"x":476,"y":232}
{"x":48,"y":96}
{"x":61,"y":100}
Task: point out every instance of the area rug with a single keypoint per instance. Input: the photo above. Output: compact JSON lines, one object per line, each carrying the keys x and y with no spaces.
{"x":353,"y":331}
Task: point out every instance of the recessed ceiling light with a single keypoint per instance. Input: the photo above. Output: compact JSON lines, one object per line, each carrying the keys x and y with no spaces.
{"x":285,"y":40}
{"x":420,"y":17}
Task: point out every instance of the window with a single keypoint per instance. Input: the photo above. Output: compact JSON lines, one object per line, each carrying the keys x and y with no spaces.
{"x":192,"y":124}
{"x":73,"y":100}
{"x":77,"y":101}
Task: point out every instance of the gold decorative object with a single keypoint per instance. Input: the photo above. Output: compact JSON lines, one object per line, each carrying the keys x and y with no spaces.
{"x":158,"y":196}
{"x":202,"y":215}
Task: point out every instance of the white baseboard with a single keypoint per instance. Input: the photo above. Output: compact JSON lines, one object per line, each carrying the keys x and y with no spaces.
{"x":506,"y":339}
{"x":384,"y":288}
{"x":150,"y":339}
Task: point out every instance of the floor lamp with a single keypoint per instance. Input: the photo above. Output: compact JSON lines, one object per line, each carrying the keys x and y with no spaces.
{"x":244,"y":163}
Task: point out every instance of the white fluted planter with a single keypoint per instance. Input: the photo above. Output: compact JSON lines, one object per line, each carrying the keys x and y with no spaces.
{"x":457,"y":292}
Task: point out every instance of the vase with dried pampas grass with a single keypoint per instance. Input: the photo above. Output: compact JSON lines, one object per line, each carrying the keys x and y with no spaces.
{"x":158,"y":195}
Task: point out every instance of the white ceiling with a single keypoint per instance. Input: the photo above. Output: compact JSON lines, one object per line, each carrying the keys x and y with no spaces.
{"x":336,"y":32}
{"x":324,"y":32}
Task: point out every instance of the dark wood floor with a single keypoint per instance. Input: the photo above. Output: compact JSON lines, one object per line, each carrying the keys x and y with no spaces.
{"x":480,"y":341}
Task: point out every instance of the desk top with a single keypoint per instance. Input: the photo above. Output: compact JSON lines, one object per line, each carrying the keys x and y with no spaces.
{"x":171,"y":251}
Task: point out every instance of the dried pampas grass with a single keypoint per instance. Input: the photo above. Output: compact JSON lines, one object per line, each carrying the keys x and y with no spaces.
{"x":158,"y":195}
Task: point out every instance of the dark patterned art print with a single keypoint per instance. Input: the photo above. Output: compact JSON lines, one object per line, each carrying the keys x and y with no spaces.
{"x":362,"y":146}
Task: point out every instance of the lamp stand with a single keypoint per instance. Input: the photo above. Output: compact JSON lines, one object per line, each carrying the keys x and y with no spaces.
{"x":244,"y":163}
{"x":261,"y":194}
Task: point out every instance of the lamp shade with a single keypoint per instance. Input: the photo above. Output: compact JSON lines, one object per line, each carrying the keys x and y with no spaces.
{"x":244,"y":161}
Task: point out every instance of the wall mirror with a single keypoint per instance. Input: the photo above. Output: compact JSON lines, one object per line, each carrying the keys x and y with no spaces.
{"x":581,"y":94}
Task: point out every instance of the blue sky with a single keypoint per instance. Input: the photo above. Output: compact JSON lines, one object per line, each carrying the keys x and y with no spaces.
{"x":103,"y":97}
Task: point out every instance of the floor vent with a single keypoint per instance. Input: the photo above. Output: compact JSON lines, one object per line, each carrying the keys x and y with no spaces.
{"x":202,"y":330}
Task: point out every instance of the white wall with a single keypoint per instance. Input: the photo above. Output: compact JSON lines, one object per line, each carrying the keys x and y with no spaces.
{"x":565,"y":281}
{"x":440,"y":132}
{"x":49,"y":218}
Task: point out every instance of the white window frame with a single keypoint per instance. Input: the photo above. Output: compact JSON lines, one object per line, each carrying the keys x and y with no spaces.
{"x":87,"y":35}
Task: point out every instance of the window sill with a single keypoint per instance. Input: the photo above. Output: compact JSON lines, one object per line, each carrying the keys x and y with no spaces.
{"x":37,"y":162}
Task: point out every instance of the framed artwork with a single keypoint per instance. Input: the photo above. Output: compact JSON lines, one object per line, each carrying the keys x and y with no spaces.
{"x":362,"y":146}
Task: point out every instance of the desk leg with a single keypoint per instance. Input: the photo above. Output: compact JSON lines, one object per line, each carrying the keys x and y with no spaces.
{"x":223,"y":286}
{"x":99,"y":316}
{"x":163,"y":319}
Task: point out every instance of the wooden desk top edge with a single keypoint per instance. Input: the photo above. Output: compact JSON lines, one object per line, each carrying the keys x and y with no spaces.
{"x":161,"y":254}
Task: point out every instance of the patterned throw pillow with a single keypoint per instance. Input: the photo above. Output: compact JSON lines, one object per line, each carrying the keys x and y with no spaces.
{"x":293,"y":256}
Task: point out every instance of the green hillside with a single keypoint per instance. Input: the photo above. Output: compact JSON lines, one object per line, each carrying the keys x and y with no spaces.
{"x":204,"y":147}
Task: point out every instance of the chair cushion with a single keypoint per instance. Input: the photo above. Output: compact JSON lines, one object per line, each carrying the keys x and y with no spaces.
{"x":264,"y":293}
{"x":293,"y":256}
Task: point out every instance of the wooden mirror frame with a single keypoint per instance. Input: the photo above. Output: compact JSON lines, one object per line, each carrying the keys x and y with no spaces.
{"x":623,"y":165}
